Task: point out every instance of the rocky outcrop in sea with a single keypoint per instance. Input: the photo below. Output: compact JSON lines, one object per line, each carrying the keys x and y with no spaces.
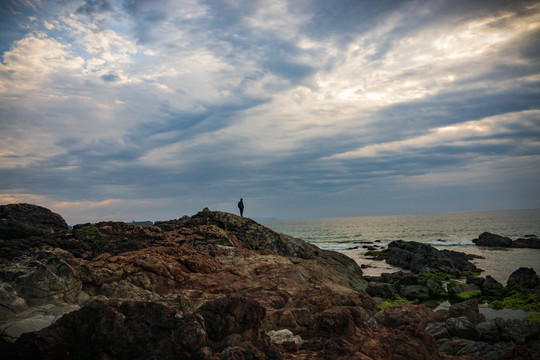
{"x":494,"y":240}
{"x":219,"y":286}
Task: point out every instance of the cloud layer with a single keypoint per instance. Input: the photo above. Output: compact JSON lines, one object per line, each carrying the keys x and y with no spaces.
{"x":149,"y":110}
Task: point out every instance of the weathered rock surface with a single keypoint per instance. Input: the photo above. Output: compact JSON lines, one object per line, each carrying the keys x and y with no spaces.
{"x":422,"y":258}
{"x":465,"y":332}
{"x":20,"y":221}
{"x":129,"y":330}
{"x":489,"y":239}
{"x":213,"y":286}
{"x":407,"y":285}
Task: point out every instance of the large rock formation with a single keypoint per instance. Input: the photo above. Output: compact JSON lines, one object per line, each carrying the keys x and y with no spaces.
{"x":494,"y":240}
{"x":422,"y":258}
{"x":210,"y":286}
{"x":489,"y":239}
{"x":19,"y":221}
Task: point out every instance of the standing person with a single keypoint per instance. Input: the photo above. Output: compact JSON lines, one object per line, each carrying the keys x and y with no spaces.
{"x":241,"y":207}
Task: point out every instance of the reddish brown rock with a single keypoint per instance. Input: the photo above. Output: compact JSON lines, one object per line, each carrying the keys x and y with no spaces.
{"x":204,"y":287}
{"x":408,"y":315}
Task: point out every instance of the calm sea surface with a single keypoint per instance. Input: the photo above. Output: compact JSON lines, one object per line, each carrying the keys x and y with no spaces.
{"x":453,"y":231}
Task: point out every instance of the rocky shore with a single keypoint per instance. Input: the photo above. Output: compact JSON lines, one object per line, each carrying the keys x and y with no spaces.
{"x":218,"y":286}
{"x":494,"y":240}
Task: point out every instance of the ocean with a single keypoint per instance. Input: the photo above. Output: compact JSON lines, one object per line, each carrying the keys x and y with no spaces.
{"x":453,"y":231}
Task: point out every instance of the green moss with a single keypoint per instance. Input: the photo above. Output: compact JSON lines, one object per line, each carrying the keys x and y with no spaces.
{"x":494,"y":294}
{"x":379,"y":254}
{"x":523,"y":301}
{"x":464,"y":274}
{"x":88,"y":231}
{"x":497,"y":305}
{"x":398,"y":300}
{"x":469,"y":294}
{"x":437,"y":276}
{"x":534,"y":317}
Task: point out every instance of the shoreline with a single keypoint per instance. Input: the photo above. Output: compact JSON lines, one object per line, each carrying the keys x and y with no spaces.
{"x":490,"y":263}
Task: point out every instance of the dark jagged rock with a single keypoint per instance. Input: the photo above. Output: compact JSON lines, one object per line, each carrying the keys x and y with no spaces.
{"x":489,"y":239}
{"x":467,"y":309}
{"x":89,"y":240}
{"x":494,"y":240}
{"x":525,"y":278}
{"x":381,"y":290}
{"x":466,"y":333}
{"x":423,"y":258}
{"x":408,"y":285}
{"x":530,"y":242}
{"x":489,"y":287}
{"x":21,"y":221}
{"x":129,"y":330}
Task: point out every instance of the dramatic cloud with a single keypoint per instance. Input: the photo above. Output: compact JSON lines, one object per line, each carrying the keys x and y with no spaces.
{"x":150,"y":110}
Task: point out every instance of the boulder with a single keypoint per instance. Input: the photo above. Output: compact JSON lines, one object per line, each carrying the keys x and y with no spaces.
{"x":464,"y":291}
{"x":531,"y":242}
{"x":525,"y":278}
{"x":490,"y":284}
{"x":412,"y":286}
{"x":521,"y":331}
{"x":438,"y":330}
{"x":414,"y":292}
{"x":20,"y":221}
{"x":463,"y":328}
{"x":493,"y":331}
{"x":409,"y":314}
{"x":468,"y":309}
{"x":475,"y":280}
{"x":423,"y":258}
{"x":493,"y":240}
{"x":382,"y":290}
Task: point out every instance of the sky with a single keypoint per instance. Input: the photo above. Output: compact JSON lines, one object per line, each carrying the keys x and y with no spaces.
{"x":151,"y":110}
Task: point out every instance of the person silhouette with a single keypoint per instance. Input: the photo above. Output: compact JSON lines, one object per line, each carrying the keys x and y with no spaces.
{"x":241,"y":207}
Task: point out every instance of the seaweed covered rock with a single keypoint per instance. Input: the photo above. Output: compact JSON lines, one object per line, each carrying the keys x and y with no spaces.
{"x":525,"y":278}
{"x":465,"y":332}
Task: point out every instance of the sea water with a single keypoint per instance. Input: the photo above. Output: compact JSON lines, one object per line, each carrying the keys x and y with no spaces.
{"x":453,"y":231}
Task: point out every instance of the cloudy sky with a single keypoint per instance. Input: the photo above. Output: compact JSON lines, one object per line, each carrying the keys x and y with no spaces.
{"x":150,"y":110}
